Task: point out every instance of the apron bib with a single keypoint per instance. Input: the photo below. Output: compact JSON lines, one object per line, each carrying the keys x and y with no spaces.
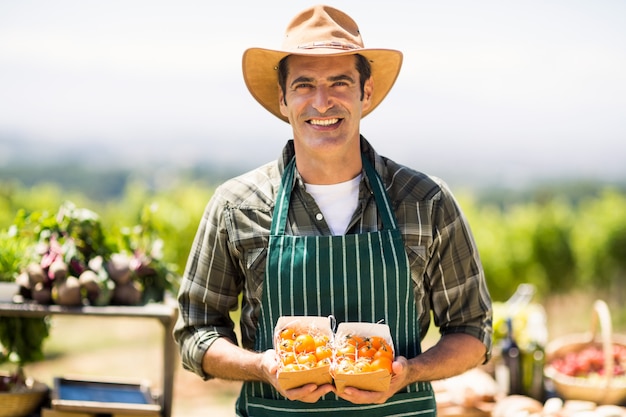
{"x":357,"y":278}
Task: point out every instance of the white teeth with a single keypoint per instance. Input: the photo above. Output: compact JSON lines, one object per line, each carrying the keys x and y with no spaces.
{"x":325,"y":122}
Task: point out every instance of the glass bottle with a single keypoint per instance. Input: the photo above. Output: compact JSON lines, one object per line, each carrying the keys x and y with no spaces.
{"x":508,"y":370}
{"x":533,"y":355}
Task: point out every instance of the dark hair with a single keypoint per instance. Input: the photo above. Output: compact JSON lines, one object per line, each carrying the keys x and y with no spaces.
{"x":362,"y":65}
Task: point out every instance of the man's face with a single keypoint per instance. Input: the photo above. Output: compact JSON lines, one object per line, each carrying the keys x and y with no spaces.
{"x":323,"y":102}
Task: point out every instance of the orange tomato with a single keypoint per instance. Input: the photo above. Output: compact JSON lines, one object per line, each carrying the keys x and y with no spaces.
{"x":347,"y":351}
{"x":304,"y":343}
{"x":354,"y":340}
{"x":381,"y":363}
{"x":321,"y":340}
{"x":291,"y":367}
{"x":285,"y":345}
{"x":287,"y":357}
{"x":384,"y":351}
{"x":323,"y":352}
{"x":324,"y":362}
{"x":345,"y":366}
{"x":376,"y":341}
{"x":362,"y":366}
{"x":307,"y":359}
{"x":366,"y":351}
{"x":288,"y":333}
{"x":385,"y":345}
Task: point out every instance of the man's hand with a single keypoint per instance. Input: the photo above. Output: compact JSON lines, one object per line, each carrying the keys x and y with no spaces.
{"x":398,"y":381}
{"x":228,"y":361}
{"x":309,"y":393}
{"x":452,"y":355}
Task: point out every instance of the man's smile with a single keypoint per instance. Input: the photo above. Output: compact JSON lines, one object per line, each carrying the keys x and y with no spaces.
{"x":324,"y":122}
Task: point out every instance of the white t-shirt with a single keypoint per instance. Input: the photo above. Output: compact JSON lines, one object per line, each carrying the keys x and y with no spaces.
{"x":337,"y":202}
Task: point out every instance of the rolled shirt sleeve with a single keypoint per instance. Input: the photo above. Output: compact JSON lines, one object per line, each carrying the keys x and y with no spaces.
{"x":459,"y":295}
{"x":209,"y":290}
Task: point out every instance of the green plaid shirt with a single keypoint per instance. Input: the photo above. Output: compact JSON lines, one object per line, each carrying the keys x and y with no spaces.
{"x":227,"y":259}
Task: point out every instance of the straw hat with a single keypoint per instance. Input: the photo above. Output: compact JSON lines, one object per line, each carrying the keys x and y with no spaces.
{"x":320,"y":30}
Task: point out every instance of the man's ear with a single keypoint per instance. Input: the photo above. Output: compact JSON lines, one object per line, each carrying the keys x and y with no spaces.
{"x":282,"y":102}
{"x":368,"y":90}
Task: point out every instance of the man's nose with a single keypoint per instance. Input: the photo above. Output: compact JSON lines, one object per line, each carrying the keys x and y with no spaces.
{"x":322,"y":100}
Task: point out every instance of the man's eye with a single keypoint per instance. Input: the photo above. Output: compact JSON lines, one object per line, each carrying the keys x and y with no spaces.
{"x":302,"y":86}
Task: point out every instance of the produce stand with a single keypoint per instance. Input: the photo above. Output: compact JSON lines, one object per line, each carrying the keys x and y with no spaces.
{"x":164,"y":313}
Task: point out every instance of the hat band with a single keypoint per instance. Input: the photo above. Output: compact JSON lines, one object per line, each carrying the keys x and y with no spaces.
{"x":333,"y":45}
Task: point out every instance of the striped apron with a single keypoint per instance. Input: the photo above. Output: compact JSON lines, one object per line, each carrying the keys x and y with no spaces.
{"x":356,"y":278}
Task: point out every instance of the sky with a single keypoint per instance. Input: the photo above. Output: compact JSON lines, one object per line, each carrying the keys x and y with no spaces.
{"x":510,"y":90}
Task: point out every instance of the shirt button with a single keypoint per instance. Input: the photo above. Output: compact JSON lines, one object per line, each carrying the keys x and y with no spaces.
{"x":319,"y":216}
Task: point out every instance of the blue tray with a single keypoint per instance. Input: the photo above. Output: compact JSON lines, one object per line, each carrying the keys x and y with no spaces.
{"x":96,"y":396}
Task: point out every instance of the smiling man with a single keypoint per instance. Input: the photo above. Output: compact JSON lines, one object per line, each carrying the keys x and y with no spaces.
{"x":331,"y":228}
{"x":324,"y":102}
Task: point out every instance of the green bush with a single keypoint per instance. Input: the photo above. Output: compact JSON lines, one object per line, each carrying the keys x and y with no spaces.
{"x":554,"y":243}
{"x":173,"y":215}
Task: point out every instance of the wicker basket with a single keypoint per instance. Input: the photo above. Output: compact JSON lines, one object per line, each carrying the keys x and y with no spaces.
{"x":21,"y":404}
{"x":601,"y":390}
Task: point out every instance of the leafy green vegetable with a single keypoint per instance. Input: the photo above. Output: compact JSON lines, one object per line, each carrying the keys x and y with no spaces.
{"x":13,"y":257}
{"x":22,"y":339}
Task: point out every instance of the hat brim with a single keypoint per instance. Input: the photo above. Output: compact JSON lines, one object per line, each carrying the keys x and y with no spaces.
{"x":260,"y":73}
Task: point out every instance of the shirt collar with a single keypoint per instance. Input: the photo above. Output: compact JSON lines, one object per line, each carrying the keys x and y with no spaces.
{"x":288,"y":153}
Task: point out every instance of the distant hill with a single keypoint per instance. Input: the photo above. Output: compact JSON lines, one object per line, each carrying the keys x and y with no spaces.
{"x":103,"y":170}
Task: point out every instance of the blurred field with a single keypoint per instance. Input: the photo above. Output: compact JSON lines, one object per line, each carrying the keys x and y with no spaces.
{"x":132,"y":348}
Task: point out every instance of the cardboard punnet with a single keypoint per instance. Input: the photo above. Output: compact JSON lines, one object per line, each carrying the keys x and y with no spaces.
{"x":319,"y":375}
{"x":378,"y":380}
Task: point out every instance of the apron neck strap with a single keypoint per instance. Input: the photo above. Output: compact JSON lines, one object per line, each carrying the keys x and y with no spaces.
{"x":283,"y":197}
{"x":380,"y":194}
{"x":286,"y":185}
